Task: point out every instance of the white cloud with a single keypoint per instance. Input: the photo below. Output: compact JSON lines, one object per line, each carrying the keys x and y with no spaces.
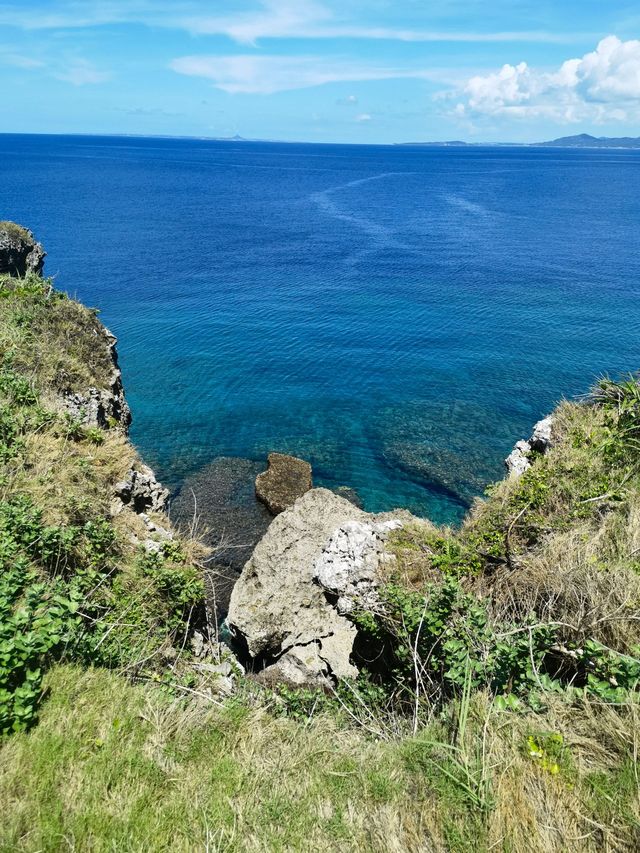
{"x":268,"y":19}
{"x":80,"y":72}
{"x":364,"y":117}
{"x":255,"y":74}
{"x":602,"y":85}
{"x":8,"y":56}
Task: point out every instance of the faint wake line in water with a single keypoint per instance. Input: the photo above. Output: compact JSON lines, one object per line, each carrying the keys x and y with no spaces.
{"x":380,"y":233}
{"x":465,"y":204}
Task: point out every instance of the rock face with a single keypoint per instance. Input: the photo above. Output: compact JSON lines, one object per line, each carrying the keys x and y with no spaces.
{"x":20,"y":253}
{"x":101,"y":407}
{"x":518,"y":461}
{"x":348,"y":564}
{"x":288,"y":608}
{"x":141,"y":492}
{"x":285,"y":480}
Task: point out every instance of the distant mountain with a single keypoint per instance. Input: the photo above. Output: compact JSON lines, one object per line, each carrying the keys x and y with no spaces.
{"x":581,"y":140}
{"x":585,"y":140}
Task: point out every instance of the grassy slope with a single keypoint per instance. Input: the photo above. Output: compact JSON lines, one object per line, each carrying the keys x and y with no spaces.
{"x":115,"y":765}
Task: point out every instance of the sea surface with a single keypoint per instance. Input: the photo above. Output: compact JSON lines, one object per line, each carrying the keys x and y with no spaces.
{"x":397,"y":315}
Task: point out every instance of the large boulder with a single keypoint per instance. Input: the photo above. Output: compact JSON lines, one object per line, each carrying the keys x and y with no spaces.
{"x":20,"y":253}
{"x":290,"y":606}
{"x":285,"y":480}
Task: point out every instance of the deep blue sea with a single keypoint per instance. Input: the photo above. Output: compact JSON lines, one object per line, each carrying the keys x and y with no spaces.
{"x":399,"y":316}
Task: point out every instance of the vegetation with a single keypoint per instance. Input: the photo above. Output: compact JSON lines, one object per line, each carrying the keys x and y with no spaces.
{"x":498,"y":703}
{"x":115,"y":766}
{"x":73,"y":586}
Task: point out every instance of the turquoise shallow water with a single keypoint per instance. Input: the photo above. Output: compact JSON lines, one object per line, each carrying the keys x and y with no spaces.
{"x":398,"y":316}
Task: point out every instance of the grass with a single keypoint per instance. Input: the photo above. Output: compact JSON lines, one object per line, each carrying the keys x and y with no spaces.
{"x":14,"y":230}
{"x":52,"y":338}
{"x":118,"y":766}
{"x":561,"y":542}
{"x":503,"y":714}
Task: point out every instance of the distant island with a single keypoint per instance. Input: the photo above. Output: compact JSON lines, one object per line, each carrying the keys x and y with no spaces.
{"x":581,"y":140}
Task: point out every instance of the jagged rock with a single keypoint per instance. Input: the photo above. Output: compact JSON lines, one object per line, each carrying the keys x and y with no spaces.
{"x":348,"y":565}
{"x":542,"y":436}
{"x":101,"y":407}
{"x":141,"y":491}
{"x":279,"y":611}
{"x":285,"y":480}
{"x":20,"y":253}
{"x":518,"y":461}
{"x":218,"y":661}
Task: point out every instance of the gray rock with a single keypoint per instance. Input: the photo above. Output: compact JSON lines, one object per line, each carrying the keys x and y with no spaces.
{"x":142,"y":493}
{"x":222,"y":666}
{"x":519,"y":460}
{"x":286,"y":479}
{"x":349,"y":562}
{"x":101,"y":407}
{"x":542,"y":437}
{"x":278,"y":609}
{"x":20,"y":253}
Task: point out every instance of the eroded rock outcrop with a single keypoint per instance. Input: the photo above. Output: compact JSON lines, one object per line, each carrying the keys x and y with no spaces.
{"x":141,"y":492}
{"x":290,"y":606}
{"x":519,"y":460}
{"x":101,"y":407}
{"x":20,"y":253}
{"x":348,"y":565}
{"x":286,"y":479}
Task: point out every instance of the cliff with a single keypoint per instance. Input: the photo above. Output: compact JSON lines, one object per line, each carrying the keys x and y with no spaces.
{"x":410,"y":687}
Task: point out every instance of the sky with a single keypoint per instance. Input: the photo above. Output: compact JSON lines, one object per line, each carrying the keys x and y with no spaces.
{"x":357,"y":71}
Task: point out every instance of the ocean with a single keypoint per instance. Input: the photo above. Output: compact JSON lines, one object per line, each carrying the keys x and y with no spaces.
{"x":397,"y":315}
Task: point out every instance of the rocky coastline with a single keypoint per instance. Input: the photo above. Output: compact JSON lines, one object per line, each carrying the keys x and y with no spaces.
{"x":288,"y":564}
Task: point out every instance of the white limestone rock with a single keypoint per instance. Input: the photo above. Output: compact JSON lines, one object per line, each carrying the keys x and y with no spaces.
{"x":320,"y":551}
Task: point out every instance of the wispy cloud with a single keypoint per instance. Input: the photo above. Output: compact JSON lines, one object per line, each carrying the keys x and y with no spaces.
{"x":256,"y":74}
{"x":268,"y":19}
{"x":9,"y":56}
{"x":81,"y":72}
{"x":309,"y":19}
{"x":602,"y":85}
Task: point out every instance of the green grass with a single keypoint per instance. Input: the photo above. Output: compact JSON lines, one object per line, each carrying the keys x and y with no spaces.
{"x":52,"y":339}
{"x":501,"y":712}
{"x":118,"y":766}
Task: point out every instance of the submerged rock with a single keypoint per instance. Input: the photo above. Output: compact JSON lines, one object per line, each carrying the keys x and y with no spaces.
{"x":450,"y":448}
{"x":286,"y":479}
{"x":282,"y":613}
{"x":20,"y":253}
{"x":350,"y":495}
{"x":219,"y":505}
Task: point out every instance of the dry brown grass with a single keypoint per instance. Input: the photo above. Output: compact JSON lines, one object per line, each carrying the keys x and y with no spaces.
{"x":133,"y":769}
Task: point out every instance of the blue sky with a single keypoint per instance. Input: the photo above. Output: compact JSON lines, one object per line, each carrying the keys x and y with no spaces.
{"x":322,"y":70}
